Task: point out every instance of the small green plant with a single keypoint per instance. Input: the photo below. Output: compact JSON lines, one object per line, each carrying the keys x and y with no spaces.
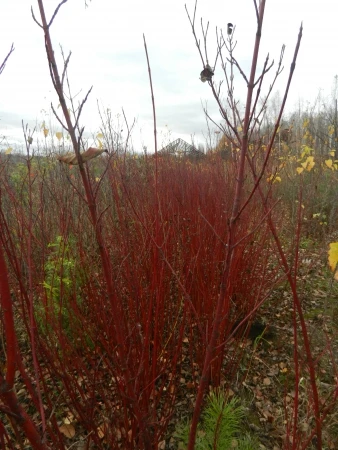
{"x":62,"y":282}
{"x":219,"y":427}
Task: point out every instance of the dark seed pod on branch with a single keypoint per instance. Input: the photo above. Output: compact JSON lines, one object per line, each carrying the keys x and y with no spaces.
{"x":206,"y":74}
{"x":229,"y":29}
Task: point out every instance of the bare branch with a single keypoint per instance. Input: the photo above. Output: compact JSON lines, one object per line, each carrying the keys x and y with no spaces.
{"x":258,"y":92}
{"x":129,"y":129}
{"x":5,"y":60}
{"x":34,"y":18}
{"x":264,"y":72}
{"x":58,"y":118}
{"x":192,"y":23}
{"x":257,"y":12}
{"x":55,"y":12}
{"x":278,"y":72}
{"x":234,"y":61}
{"x":65,"y":66}
{"x":152,"y":97}
{"x":269,"y":147}
{"x":226,"y":132}
{"x":81,"y":106}
{"x":205,"y":33}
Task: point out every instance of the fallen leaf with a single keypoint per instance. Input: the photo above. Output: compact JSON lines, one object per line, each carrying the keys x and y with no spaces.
{"x":101,"y":431}
{"x":68,"y":430}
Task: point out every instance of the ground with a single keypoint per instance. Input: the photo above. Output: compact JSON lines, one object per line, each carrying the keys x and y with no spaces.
{"x":265,"y":380}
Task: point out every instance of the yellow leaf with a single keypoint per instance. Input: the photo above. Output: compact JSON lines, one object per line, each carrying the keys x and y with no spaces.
{"x":58,"y":135}
{"x":100,"y":144}
{"x":8,"y":150}
{"x":277,"y":179}
{"x":333,"y":257}
{"x":329,"y":163}
{"x":99,"y":136}
{"x":305,"y":123}
{"x":68,"y":430}
{"x":69,"y":419}
{"x":45,"y":132}
{"x":332,"y":153}
{"x":307,"y":150}
{"x":308,"y":163}
{"x":299,"y":170}
{"x":331,"y":129}
{"x":239,"y":128}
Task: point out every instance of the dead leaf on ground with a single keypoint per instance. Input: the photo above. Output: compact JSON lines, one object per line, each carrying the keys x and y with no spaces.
{"x":68,"y":430}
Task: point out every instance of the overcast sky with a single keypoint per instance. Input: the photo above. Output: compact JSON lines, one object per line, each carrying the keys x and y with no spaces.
{"x":107,"y":52}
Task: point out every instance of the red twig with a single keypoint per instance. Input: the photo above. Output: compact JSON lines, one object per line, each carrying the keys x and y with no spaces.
{"x":222,"y":299}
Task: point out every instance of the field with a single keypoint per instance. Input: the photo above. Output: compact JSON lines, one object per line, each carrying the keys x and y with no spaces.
{"x":101,"y":379}
{"x":174,"y":300}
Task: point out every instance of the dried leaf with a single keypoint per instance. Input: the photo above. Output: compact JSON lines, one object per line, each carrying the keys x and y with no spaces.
{"x":68,"y":430}
{"x":70,"y":158}
{"x":101,"y":430}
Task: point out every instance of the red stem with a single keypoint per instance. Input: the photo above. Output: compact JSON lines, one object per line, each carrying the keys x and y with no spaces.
{"x":222,"y":298}
{"x":7,"y":394}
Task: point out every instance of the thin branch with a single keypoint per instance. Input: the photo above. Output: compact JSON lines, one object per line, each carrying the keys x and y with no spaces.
{"x":66,"y":62}
{"x":58,"y":118}
{"x":192,"y":23}
{"x":81,"y":106}
{"x":256,"y":9}
{"x":278,"y":72}
{"x":264,"y":72}
{"x":152,"y":97}
{"x":205,"y":33}
{"x":258,"y":92}
{"x":34,"y":18}
{"x":234,"y":61}
{"x":129,"y":130}
{"x":5,"y":60}
{"x":55,"y":12}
